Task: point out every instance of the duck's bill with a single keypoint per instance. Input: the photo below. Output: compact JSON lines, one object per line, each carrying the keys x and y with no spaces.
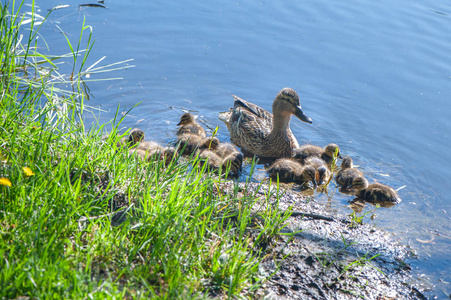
{"x":300,"y":114}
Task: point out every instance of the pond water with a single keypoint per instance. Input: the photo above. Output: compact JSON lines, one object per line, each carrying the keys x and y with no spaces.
{"x":375,"y":77}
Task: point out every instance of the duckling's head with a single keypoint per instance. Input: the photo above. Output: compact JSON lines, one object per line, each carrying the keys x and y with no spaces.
{"x":287,"y":103}
{"x":331,"y":149}
{"x":358,"y":184}
{"x":135,"y":136}
{"x":211,"y":142}
{"x":309,"y":174}
{"x":186,"y":118}
{"x":347,"y":163}
{"x":322,"y":175}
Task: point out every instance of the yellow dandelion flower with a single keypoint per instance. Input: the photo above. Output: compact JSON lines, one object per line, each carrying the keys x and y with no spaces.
{"x":5,"y":181}
{"x":28,"y":171}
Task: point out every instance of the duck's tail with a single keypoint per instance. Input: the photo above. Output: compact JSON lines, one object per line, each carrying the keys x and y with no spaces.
{"x":225,"y":116}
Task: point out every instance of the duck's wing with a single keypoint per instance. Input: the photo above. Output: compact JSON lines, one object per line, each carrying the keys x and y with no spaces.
{"x":247,"y":128}
{"x":253,"y":109}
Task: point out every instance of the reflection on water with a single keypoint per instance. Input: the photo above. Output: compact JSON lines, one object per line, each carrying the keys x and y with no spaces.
{"x":373,"y":76}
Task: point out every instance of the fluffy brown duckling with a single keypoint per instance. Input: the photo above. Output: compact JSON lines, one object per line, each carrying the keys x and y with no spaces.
{"x":306,"y":151}
{"x":133,"y":138}
{"x":232,"y":162}
{"x":225,"y":149}
{"x":374,"y":193}
{"x":211,"y":158}
{"x":190,"y":144}
{"x":189,"y":126}
{"x":323,"y":174}
{"x":157,"y":153}
{"x":347,"y":174}
{"x":292,"y":171}
{"x":231,"y":156}
{"x":154,"y":149}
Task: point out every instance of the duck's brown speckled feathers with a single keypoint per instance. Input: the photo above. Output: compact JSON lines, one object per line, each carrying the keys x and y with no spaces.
{"x":258,"y":132}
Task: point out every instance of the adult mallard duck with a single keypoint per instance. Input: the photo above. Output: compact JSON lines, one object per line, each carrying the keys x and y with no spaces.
{"x":291,"y":171}
{"x":258,"y":132}
{"x":189,"y":126}
{"x":374,"y":193}
{"x":347,"y":174}
{"x":306,"y":151}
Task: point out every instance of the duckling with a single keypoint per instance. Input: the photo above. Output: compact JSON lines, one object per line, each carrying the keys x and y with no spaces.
{"x":322,"y":174}
{"x":374,"y":193}
{"x":153,"y":151}
{"x":133,"y":138}
{"x":225,"y":149}
{"x":258,"y":132}
{"x":347,"y":174}
{"x":231,"y":156}
{"x":234,"y":162}
{"x":329,"y":153}
{"x":189,"y":126}
{"x":211,"y":158}
{"x":210,"y":142}
{"x":190,"y":144}
{"x":326,"y":154}
{"x":292,"y":171}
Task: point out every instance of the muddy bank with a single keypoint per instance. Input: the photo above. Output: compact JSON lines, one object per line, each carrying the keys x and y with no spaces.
{"x":330,"y":256}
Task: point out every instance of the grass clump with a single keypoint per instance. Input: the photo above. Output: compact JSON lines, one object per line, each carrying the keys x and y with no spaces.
{"x":80,"y":218}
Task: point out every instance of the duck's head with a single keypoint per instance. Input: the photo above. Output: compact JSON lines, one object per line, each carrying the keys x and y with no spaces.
{"x":331,"y":149}
{"x":358,"y":184}
{"x":135,"y":136}
{"x":287,"y":103}
{"x":347,"y":163}
{"x":309,"y":174}
{"x":322,"y":175}
{"x":186,"y":118}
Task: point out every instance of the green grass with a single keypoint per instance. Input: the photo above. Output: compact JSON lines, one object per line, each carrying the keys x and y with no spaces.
{"x":184,"y":237}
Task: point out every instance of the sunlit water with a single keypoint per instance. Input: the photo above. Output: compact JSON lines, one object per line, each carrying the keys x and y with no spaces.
{"x":375,"y":77}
